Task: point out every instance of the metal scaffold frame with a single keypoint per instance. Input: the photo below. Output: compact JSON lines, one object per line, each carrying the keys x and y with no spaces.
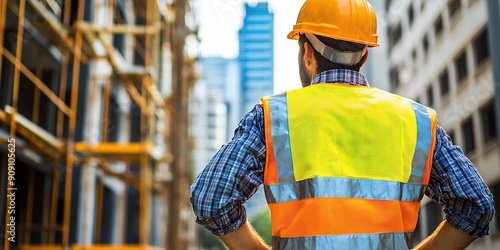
{"x":81,"y":42}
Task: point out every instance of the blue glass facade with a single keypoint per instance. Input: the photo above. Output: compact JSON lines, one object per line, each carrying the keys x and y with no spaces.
{"x":256,"y":55}
{"x":256,"y":64}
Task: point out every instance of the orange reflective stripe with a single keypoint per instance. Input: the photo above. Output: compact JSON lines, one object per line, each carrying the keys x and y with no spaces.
{"x":428,"y":167}
{"x":334,"y":216}
{"x":270,"y":170}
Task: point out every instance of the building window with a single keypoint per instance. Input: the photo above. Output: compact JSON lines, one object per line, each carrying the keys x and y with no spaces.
{"x":454,"y":7}
{"x":394,"y":76}
{"x":461,"y":67}
{"x":438,"y":26}
{"x":388,"y":4}
{"x":411,"y":14}
{"x":114,"y":122}
{"x":444,"y":83}
{"x":395,"y":33}
{"x":488,"y":122}
{"x":430,"y":96}
{"x":119,"y":39}
{"x":496,"y":197}
{"x":468,"y":136}
{"x":425,"y":44}
{"x":481,"y":47}
{"x":451,"y":134}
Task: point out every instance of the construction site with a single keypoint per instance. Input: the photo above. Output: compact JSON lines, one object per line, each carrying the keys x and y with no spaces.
{"x":94,"y":122}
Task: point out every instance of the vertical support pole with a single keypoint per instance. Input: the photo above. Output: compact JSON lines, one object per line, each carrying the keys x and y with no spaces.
{"x":91,"y":185}
{"x":46,"y":208}
{"x":72,"y":123}
{"x":17,"y":69}
{"x":3,"y":12}
{"x":99,"y":202}
{"x":144,"y":190}
{"x":53,"y":204}
{"x":145,"y":170}
{"x":15,"y":94}
{"x":105,"y":109}
{"x":124,"y":203}
{"x":178,"y":124}
{"x":56,"y":175}
{"x":29,"y":207}
{"x":494,"y":40}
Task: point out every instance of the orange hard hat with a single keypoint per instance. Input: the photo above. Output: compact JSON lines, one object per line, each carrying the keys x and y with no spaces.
{"x":346,"y":20}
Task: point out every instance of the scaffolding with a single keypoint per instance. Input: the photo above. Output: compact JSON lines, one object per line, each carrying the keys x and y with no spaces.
{"x":116,"y":58}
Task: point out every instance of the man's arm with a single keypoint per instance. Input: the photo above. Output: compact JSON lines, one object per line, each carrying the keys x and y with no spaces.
{"x":456,"y":185}
{"x":446,"y":236}
{"x":245,"y":238}
{"x":231,"y":178}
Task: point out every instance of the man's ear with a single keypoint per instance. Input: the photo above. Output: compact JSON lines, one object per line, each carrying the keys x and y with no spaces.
{"x":308,"y":55}
{"x":364,"y":58}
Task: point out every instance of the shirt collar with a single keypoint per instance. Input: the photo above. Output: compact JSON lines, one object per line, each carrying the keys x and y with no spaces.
{"x":342,"y":76}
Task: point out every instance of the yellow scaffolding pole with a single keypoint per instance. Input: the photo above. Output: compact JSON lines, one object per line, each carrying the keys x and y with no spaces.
{"x":72,"y":124}
{"x":59,"y":131}
{"x":3,"y":12}
{"x":15,"y":93}
{"x":29,"y":208}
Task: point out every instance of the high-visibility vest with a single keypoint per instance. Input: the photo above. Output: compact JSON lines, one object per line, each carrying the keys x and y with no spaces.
{"x":346,"y":167}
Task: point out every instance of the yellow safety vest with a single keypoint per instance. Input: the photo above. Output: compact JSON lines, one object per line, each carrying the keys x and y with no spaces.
{"x":346,"y":167}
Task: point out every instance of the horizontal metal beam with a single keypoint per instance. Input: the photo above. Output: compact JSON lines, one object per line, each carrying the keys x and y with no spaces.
{"x":44,"y":142}
{"x":130,"y":152}
{"x":128,"y":178}
{"x":122,"y":28}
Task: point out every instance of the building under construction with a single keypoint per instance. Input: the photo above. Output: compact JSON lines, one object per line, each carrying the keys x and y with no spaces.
{"x":93,"y":131}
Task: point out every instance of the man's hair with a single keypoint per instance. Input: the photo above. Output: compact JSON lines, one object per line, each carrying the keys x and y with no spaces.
{"x":325,"y":64}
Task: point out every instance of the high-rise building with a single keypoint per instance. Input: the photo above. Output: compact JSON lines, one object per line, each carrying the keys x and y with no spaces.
{"x":439,"y":55}
{"x":215,"y":107}
{"x":375,"y":72}
{"x":256,"y":55}
{"x":256,"y":63}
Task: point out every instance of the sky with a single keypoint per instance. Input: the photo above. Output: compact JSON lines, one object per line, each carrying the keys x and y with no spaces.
{"x":219,"y":23}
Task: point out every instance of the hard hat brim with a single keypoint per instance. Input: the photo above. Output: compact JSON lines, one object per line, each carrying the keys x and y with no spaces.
{"x":294,"y":35}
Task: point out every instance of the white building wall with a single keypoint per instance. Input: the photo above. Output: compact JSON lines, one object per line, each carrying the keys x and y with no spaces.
{"x":208,"y":114}
{"x":376,"y":70}
{"x":419,"y":71}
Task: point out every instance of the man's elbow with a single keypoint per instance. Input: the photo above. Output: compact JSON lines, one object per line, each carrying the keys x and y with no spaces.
{"x":489,"y":211}
{"x":199,"y":203}
{"x":483,"y":218}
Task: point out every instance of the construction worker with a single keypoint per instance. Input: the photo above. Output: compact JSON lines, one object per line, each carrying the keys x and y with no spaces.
{"x":344,"y":165}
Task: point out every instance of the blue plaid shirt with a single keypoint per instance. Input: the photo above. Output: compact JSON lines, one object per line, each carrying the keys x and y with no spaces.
{"x":236,"y":171}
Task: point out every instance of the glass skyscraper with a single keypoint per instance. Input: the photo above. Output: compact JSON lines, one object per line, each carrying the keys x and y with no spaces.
{"x":256,"y":64}
{"x":256,"y":55}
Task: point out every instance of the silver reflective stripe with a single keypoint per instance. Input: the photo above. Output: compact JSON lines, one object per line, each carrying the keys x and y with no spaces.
{"x":424,"y":140}
{"x":345,"y":188}
{"x":281,"y":137}
{"x":396,"y":241}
